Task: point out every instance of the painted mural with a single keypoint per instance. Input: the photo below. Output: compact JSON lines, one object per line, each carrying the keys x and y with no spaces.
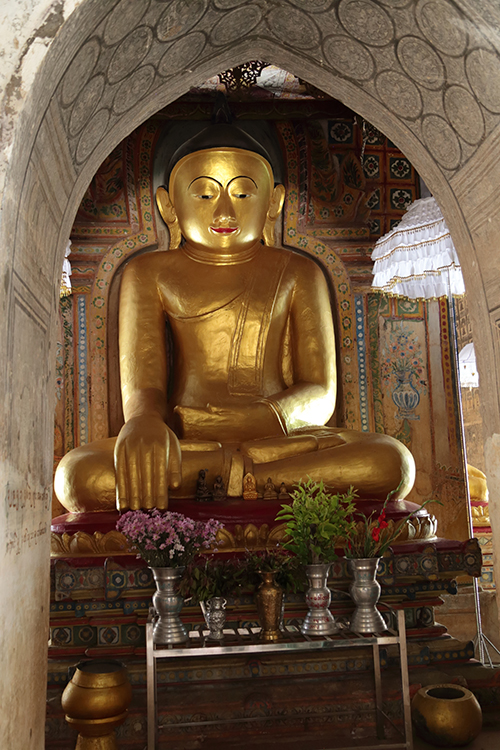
{"x":394,"y":359}
{"x":403,"y":367}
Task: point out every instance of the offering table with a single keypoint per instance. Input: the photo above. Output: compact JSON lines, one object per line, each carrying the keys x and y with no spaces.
{"x":246,"y":641}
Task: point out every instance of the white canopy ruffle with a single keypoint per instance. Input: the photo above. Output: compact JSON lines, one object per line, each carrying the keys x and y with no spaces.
{"x":415,"y":258}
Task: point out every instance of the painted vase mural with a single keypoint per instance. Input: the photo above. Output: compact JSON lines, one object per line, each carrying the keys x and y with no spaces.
{"x":403,"y":370}
{"x":405,"y":395}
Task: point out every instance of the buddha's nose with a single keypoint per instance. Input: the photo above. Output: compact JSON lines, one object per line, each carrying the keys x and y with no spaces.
{"x":224,"y":212}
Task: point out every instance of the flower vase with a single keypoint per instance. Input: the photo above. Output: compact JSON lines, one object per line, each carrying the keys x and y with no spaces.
{"x":168,"y":628}
{"x":405,"y":395}
{"x":365,"y":592}
{"x":319,"y":620}
{"x":269,"y":600}
{"x":214,"y":612}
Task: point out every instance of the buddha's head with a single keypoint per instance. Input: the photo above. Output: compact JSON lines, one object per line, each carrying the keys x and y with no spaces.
{"x":221,"y":196}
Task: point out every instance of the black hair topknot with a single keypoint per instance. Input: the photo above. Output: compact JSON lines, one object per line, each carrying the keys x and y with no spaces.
{"x":221,"y":133}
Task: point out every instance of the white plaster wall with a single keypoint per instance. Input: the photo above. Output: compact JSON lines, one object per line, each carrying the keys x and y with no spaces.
{"x":23,"y":561}
{"x":28,"y":29}
{"x":19,"y":20}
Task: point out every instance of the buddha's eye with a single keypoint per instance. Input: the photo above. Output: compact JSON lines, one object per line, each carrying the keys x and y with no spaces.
{"x":242,"y":195}
{"x":205,"y":197}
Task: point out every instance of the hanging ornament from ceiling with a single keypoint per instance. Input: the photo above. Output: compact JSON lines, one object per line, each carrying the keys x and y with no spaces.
{"x":243,"y":76}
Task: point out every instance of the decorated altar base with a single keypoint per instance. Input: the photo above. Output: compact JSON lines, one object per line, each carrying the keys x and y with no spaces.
{"x":100,"y":609}
{"x":99,"y":606}
{"x":101,"y":593}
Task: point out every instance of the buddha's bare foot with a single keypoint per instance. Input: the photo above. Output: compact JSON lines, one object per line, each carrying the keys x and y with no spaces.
{"x":373,"y":464}
{"x":275,"y":449}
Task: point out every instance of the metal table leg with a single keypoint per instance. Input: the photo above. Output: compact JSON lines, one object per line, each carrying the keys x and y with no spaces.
{"x":405,"y":682}
{"x":378,"y":691}
{"x":151,"y":687}
{"x":152,"y":655}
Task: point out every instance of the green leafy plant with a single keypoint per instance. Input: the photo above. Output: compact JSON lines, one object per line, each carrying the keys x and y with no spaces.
{"x":208,"y":577}
{"x":277,"y":560}
{"x":315,"y":521}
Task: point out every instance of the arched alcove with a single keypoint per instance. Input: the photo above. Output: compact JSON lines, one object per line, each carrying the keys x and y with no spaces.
{"x":422,"y":72}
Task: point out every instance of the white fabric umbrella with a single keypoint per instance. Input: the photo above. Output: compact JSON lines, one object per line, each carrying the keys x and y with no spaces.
{"x":417,"y":258}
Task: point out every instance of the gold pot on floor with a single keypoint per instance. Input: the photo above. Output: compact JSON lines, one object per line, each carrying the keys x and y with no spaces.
{"x":446,"y":715}
{"x":95,"y":702}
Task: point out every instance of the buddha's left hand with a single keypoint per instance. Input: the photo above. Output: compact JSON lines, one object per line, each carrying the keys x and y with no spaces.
{"x":233,"y":424}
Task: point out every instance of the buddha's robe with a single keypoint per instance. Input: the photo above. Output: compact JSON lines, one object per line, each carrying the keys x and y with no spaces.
{"x":250,"y":380}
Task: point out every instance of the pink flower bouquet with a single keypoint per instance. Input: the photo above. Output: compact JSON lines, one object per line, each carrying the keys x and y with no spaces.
{"x":165,"y":539}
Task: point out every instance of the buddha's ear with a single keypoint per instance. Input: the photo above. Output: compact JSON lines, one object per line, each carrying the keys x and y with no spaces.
{"x":169,"y":216}
{"x":275,"y":206}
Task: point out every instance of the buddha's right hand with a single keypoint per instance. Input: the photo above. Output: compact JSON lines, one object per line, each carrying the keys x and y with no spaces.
{"x":147,"y":463}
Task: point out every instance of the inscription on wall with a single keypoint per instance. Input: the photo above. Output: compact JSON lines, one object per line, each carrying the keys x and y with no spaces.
{"x":23,"y":510}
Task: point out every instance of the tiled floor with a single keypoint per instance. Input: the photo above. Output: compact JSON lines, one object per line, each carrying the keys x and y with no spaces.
{"x":489,"y":739}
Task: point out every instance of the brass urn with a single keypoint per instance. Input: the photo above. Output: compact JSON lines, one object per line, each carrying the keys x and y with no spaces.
{"x":95,"y":702}
{"x":269,"y":600}
{"x":446,"y":715}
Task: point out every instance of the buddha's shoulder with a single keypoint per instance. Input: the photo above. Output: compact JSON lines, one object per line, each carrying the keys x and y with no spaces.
{"x":297,"y":263}
{"x":156,"y":261}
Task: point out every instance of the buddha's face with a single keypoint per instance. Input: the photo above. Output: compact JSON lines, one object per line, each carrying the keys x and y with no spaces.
{"x":221,"y":198}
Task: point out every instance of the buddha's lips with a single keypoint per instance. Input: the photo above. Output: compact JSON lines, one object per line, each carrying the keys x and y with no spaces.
{"x":224,"y":230}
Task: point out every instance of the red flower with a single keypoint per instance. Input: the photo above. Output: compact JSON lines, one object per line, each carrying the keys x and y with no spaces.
{"x":377,"y":527}
{"x":382,"y":523}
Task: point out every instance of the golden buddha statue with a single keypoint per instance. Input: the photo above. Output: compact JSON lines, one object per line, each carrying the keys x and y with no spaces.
{"x":253,"y":380}
{"x":479,"y":496}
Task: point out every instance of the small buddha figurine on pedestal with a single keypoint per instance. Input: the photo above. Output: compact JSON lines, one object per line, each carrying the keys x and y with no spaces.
{"x":253,"y":379}
{"x":249,"y":487}
{"x":203,"y":494}
{"x":283,"y":493}
{"x":219,"y":491}
{"x":270,"y":490}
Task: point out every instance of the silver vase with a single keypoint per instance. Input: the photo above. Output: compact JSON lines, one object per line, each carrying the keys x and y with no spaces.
{"x":168,"y":603}
{"x":214,"y":612}
{"x":365,"y":592}
{"x":319,"y":620}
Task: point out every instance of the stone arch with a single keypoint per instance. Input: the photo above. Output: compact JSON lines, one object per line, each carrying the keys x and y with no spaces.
{"x":426,"y":73}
